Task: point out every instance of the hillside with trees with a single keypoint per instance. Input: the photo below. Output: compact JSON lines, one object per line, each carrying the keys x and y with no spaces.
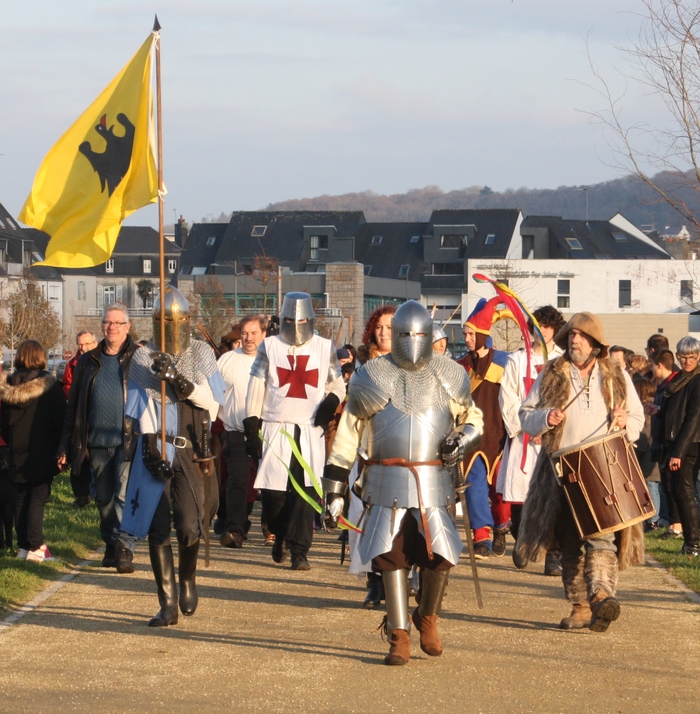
{"x":629,"y":196}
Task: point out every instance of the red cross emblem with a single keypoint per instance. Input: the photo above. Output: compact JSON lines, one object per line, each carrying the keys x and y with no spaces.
{"x":297,"y":377}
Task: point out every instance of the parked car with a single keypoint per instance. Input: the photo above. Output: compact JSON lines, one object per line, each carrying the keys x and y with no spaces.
{"x":57,"y":367}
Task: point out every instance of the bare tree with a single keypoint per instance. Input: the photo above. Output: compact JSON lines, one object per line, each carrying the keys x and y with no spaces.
{"x":266,"y":272}
{"x":506,"y":332}
{"x":213,"y":310}
{"x":29,"y":316}
{"x":665,"y":62}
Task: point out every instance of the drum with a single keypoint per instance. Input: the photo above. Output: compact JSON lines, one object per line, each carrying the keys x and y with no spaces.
{"x":604,"y":484}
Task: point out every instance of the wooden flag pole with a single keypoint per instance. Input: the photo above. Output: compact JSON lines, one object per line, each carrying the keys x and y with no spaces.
{"x":161,"y":232}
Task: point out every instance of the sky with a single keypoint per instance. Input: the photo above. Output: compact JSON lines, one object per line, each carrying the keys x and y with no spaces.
{"x":267,"y":100}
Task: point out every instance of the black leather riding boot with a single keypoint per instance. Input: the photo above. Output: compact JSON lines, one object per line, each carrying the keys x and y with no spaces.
{"x":187,"y":568}
{"x":164,"y":573}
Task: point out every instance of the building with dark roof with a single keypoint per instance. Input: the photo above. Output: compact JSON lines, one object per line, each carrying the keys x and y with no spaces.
{"x":18,"y":251}
{"x":553,"y":237}
{"x":130,"y":276}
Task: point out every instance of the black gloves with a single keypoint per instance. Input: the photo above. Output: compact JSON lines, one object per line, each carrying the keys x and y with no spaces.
{"x":326,"y":410}
{"x":153,"y":461}
{"x":253,"y":442}
{"x":164,"y":369}
{"x":458,"y":444}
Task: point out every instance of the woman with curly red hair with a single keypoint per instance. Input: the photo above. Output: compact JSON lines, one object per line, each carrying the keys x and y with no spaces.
{"x":376,"y":338}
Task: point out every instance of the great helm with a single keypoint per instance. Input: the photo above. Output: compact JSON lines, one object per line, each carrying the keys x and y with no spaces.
{"x":412,"y":336}
{"x":297,"y":319}
{"x":177,"y":321}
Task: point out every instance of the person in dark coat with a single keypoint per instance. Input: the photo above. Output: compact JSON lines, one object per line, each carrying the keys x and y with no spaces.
{"x":31,"y":419}
{"x":680,"y":416}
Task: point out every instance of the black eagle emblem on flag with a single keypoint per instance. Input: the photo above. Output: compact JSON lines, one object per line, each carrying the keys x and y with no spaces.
{"x":112,"y":164}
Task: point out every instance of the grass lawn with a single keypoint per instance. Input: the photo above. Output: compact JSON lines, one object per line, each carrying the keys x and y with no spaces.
{"x":668,"y":553}
{"x":71,"y":533}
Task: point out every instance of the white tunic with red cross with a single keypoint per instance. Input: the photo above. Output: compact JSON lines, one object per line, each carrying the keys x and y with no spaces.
{"x":295,"y":386}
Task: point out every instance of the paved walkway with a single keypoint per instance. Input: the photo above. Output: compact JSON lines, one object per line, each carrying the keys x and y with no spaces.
{"x":268,"y":639}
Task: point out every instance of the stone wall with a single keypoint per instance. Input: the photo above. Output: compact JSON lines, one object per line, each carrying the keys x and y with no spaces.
{"x":345,"y":288}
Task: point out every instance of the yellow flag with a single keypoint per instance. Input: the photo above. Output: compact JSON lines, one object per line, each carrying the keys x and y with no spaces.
{"x":99,"y":172}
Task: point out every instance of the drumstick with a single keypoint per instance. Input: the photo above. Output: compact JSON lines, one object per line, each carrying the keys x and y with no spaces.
{"x":563,"y":409}
{"x":612,"y":419}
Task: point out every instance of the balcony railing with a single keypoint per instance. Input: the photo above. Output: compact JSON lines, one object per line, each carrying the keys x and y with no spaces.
{"x":133,"y":311}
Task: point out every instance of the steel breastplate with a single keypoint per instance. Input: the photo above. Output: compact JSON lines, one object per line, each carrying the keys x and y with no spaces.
{"x":415,"y":438}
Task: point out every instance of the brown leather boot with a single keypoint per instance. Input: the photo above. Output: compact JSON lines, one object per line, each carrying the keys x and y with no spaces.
{"x":605,"y":609}
{"x":425,"y":616}
{"x":399,"y":648}
{"x":426,"y":625}
{"x":579,"y":618}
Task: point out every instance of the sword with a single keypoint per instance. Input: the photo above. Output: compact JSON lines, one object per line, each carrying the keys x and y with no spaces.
{"x":460,"y":488}
{"x":343,"y":543}
{"x":205,"y":465}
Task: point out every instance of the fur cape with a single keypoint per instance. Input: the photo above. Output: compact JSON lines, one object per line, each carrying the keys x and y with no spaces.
{"x":24,"y":392}
{"x":545,"y":497}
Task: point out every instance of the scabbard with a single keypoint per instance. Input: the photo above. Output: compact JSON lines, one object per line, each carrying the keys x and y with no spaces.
{"x":461,"y":487}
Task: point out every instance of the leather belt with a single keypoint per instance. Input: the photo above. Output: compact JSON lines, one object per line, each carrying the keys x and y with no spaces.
{"x":411,"y":466}
{"x":179,"y":442}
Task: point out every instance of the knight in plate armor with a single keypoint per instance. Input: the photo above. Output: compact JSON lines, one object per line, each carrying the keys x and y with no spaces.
{"x":176,"y":483}
{"x":294,"y":389}
{"x":409,"y":401}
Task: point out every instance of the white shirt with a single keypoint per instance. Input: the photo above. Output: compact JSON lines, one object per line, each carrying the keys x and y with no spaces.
{"x":235,"y":369}
{"x":587,"y":416}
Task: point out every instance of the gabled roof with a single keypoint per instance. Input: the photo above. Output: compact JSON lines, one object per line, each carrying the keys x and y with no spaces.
{"x":282,"y":235}
{"x":401,"y":244}
{"x":616,"y":239}
{"x":9,"y":228}
{"x":203,"y":243}
{"x":142,"y":240}
{"x":502,"y":223}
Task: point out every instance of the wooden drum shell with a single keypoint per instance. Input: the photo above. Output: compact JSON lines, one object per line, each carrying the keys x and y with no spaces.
{"x":604,"y":484}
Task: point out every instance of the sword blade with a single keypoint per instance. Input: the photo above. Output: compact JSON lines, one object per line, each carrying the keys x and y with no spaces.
{"x":460,"y":488}
{"x":470,"y":549}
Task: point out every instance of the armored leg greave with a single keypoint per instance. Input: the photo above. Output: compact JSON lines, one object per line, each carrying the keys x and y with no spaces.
{"x":396,"y":594}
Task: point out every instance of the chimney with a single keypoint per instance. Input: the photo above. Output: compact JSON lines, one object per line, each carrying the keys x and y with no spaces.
{"x":181,"y":232}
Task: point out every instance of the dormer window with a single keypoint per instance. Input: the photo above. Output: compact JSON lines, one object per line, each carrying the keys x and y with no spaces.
{"x":146,"y":266}
{"x":109,"y":266}
{"x":452,"y":241}
{"x":317,"y":243}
